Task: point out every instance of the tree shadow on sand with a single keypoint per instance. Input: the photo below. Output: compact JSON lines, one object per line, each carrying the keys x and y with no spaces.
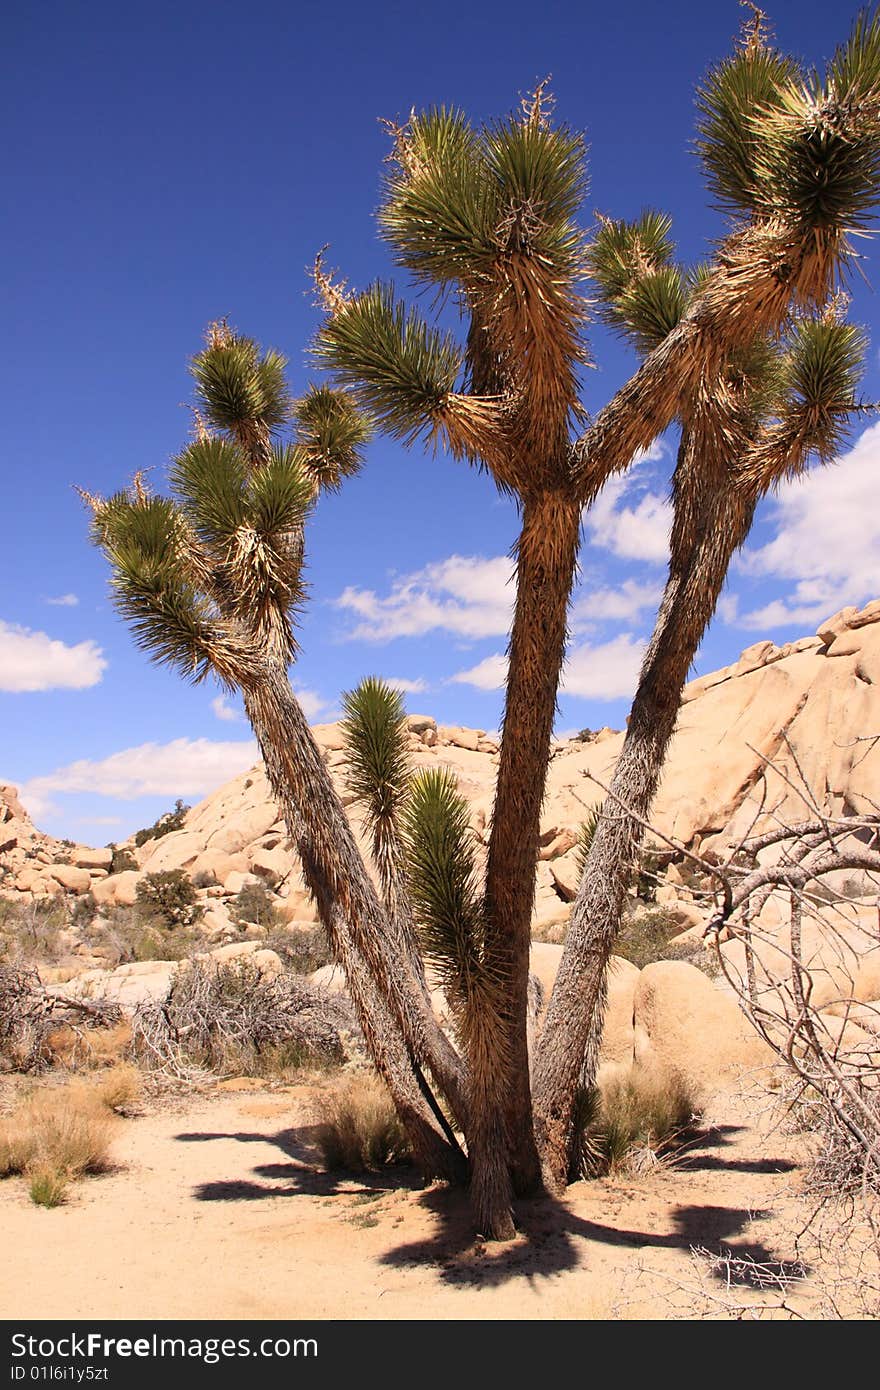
{"x":552,"y":1237}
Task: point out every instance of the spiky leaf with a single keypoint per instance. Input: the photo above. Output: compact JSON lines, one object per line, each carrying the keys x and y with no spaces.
{"x":331,"y":433}
{"x":374,"y":729}
{"x":396,"y":367}
{"x":442,"y":878}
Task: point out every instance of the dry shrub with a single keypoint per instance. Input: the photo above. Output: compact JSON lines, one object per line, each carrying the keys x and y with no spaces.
{"x":359,"y":1130}
{"x":55,"y":1137}
{"x":31,"y":929}
{"x":233,"y":1019}
{"x":25,"y":1019}
{"x":631,"y":1121}
{"x":74,"y":1047}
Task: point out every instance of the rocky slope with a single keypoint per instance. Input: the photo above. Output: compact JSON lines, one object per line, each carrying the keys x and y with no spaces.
{"x":775,"y":716}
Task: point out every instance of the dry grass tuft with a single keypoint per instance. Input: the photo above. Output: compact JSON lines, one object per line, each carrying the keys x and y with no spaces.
{"x":60,"y":1134}
{"x":359,"y":1129}
{"x":633,"y":1121}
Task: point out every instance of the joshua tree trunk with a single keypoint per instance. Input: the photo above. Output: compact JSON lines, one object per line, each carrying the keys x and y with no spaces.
{"x":546,"y":561}
{"x":569,"y":1044}
{"x":399,"y":1030}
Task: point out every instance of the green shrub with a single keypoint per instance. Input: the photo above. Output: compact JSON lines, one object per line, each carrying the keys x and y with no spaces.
{"x":31,"y":929}
{"x":169,"y":893}
{"x":123,"y":860}
{"x":134,"y":933}
{"x":302,"y":949}
{"x":82,"y":910}
{"x":644,"y":936}
{"x":254,"y":903}
{"x":171,"y":820}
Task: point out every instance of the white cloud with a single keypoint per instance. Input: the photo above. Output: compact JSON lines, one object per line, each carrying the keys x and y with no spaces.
{"x":183,"y":768}
{"x":464,"y":594}
{"x":64,"y":601}
{"x":655,"y":451}
{"x":489,"y":674}
{"x":728,"y":608}
{"x":314,"y":706}
{"x":98,"y":820}
{"x":224,"y":710}
{"x":35,"y":661}
{"x":607,"y":671}
{"x":407,"y":687}
{"x":827,"y":539}
{"x":620,"y":605}
{"x":634,"y":532}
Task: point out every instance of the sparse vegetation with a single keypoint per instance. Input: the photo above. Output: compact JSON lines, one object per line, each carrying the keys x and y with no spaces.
{"x":302,"y":949}
{"x":135,"y":933}
{"x":123,"y":860}
{"x":645,"y":936}
{"x":254,"y":903}
{"x":169,"y":893}
{"x":359,"y":1129}
{"x":164,"y":824}
{"x":56,"y":1136}
{"x":31,"y":929}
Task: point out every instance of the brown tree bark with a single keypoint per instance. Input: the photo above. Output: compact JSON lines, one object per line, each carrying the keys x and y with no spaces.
{"x":546,"y":563}
{"x":388,"y":1004}
{"x":569,"y":1045}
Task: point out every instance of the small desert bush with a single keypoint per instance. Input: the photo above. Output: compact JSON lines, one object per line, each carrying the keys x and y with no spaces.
{"x":54,"y":1137}
{"x":169,"y":893}
{"x":90,"y":1049}
{"x":118,"y":1088}
{"x":302,"y":949}
{"x":123,"y":860}
{"x":31,"y":930}
{"x":645,"y":935}
{"x":134,"y":933}
{"x":24,"y":1021}
{"x":631,"y":1121}
{"x":254,"y":903}
{"x":359,"y":1129}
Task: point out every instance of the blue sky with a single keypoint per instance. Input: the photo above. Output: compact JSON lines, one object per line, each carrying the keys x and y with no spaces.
{"x":166,"y":165}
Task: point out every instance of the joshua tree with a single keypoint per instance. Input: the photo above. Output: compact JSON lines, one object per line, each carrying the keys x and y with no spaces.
{"x":210,"y":580}
{"x":488,"y":217}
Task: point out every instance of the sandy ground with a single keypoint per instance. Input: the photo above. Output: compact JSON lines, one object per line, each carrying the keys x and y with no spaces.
{"x":217,"y":1209}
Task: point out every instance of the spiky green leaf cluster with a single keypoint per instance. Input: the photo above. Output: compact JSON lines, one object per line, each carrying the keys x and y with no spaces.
{"x":819,"y":377}
{"x":210,"y":578}
{"x":457,"y":202}
{"x":331,"y":433}
{"x":641,"y":292}
{"x":586,"y":832}
{"x":779,"y":144}
{"x":238,"y":388}
{"x":378,"y":772}
{"x":396,"y":366}
{"x":734,"y":102}
{"x":437,"y":212}
{"x":151,"y":586}
{"x":443,"y":884}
